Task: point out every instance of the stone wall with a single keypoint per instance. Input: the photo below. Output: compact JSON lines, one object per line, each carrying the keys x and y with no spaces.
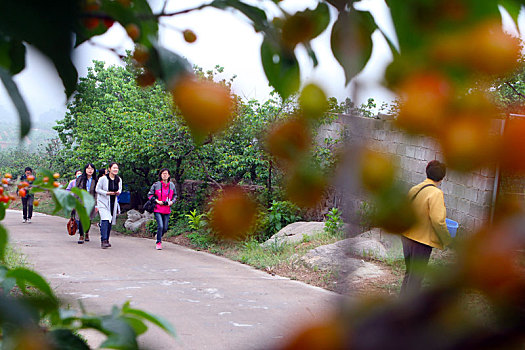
{"x":468,"y":196}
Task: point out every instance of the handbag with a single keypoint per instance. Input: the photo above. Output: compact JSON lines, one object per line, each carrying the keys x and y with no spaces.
{"x":149,"y":206}
{"x":72,"y":226}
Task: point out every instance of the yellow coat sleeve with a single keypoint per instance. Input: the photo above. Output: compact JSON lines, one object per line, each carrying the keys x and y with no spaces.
{"x":438,"y":214}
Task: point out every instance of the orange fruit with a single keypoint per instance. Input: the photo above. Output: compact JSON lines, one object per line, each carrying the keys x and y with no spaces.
{"x":490,"y":50}
{"x":125,"y":3}
{"x":45,"y":179}
{"x":205,"y":106}
{"x":377,"y":170}
{"x":146,"y":79}
{"x":8,"y":176}
{"x":22,"y":193}
{"x":512,"y":152}
{"x":489,"y":262}
{"x":5,"y":181}
{"x":296,"y":29}
{"x":425,"y":97}
{"x":305,"y":186}
{"x":189,"y":36}
{"x":313,"y":101}
{"x":467,"y":143}
{"x":91,"y":23}
{"x":141,"y":54}
{"x":11,"y":197}
{"x":289,"y":140}
{"x":233,"y":214}
{"x":1,"y":190}
{"x":329,"y":335}
{"x":133,"y":31}
{"x":108,"y":22}
{"x":31,"y":178}
{"x":36,"y":202}
{"x":55,"y":176}
{"x":56,"y":184}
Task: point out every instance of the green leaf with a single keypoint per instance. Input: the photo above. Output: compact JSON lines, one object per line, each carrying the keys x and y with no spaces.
{"x":255,"y":14}
{"x":320,"y":16}
{"x":352,"y":42}
{"x":415,"y":20}
{"x":156,"y":320}
{"x":12,"y":55}
{"x":65,"y":339}
{"x":513,"y":7}
{"x":281,"y":68}
{"x":168,"y":66}
{"x":120,"y":334}
{"x":139,"y":13}
{"x":3,"y":240}
{"x":25,"y":276}
{"x":51,"y":34}
{"x":138,"y":326}
{"x":64,"y":200}
{"x":84,"y":206}
{"x":18,"y":101}
{"x":3,"y":207}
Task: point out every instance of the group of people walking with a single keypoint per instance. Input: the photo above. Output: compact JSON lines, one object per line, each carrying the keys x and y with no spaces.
{"x":105,"y":189}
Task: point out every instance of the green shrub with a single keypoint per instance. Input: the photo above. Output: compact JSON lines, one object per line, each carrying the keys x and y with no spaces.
{"x":334,"y":225}
{"x":201,"y":240}
{"x":196,"y":222}
{"x":151,"y":226}
{"x":177,"y":228}
{"x":280,"y":214}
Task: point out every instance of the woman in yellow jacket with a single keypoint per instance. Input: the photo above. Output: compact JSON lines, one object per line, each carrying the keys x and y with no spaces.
{"x":430,"y":231}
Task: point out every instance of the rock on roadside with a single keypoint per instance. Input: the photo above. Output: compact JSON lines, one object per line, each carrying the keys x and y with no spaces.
{"x":295,"y":233}
{"x":136,"y":220}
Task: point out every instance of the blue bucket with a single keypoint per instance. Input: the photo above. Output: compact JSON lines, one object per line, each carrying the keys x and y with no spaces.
{"x":452,"y":227}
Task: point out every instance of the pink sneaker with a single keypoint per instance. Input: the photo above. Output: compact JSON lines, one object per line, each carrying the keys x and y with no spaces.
{"x":158,"y":246}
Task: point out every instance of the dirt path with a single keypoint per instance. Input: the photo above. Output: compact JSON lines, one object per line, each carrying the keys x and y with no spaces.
{"x":213,"y":303}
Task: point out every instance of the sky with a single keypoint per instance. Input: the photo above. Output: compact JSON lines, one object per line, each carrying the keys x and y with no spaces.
{"x":225,"y":39}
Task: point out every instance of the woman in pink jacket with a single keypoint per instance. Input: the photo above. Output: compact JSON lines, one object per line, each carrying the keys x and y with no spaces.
{"x":165,"y":194}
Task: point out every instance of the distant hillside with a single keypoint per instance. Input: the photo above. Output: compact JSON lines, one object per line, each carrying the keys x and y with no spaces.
{"x":41,"y":129}
{"x":40,"y":134}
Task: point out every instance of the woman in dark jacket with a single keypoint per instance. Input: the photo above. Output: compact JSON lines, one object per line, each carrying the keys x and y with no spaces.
{"x":87,"y":181}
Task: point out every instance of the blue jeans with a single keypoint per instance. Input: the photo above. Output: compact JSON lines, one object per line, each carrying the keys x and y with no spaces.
{"x":105,"y":230}
{"x":162,"y":225}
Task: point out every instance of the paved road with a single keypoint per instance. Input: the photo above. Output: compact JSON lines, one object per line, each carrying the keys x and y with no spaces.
{"x":212,"y":302}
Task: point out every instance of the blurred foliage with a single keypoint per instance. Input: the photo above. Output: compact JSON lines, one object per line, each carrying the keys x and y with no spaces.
{"x":448,"y":59}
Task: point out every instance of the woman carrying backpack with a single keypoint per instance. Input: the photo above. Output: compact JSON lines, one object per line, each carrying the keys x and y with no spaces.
{"x":88,"y":182}
{"x":165,"y":194}
{"x":108,"y":188}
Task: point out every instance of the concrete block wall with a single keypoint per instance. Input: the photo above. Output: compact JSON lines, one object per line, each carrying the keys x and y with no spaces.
{"x":468,"y":196}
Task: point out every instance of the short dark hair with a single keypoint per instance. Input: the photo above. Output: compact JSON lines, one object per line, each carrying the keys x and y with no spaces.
{"x":28,"y":169}
{"x":436,"y":170}
{"x":111,"y":164}
{"x":163,"y":170}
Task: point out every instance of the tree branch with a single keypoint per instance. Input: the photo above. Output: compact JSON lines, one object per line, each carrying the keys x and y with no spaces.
{"x":513,"y":88}
{"x":208,"y":174}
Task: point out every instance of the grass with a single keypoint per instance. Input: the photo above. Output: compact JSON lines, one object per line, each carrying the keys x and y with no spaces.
{"x":14,"y":258}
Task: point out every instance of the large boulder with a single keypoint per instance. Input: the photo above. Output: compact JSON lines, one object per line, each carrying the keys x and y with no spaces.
{"x":338,"y":257}
{"x":295,"y":233}
{"x":391,"y":243}
{"x":136,"y":220}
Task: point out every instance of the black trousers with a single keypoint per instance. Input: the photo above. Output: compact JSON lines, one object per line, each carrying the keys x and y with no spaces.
{"x":27,"y":207}
{"x":416,"y":261}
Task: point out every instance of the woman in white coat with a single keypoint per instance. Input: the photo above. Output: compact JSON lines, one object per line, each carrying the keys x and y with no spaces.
{"x":108,"y":188}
